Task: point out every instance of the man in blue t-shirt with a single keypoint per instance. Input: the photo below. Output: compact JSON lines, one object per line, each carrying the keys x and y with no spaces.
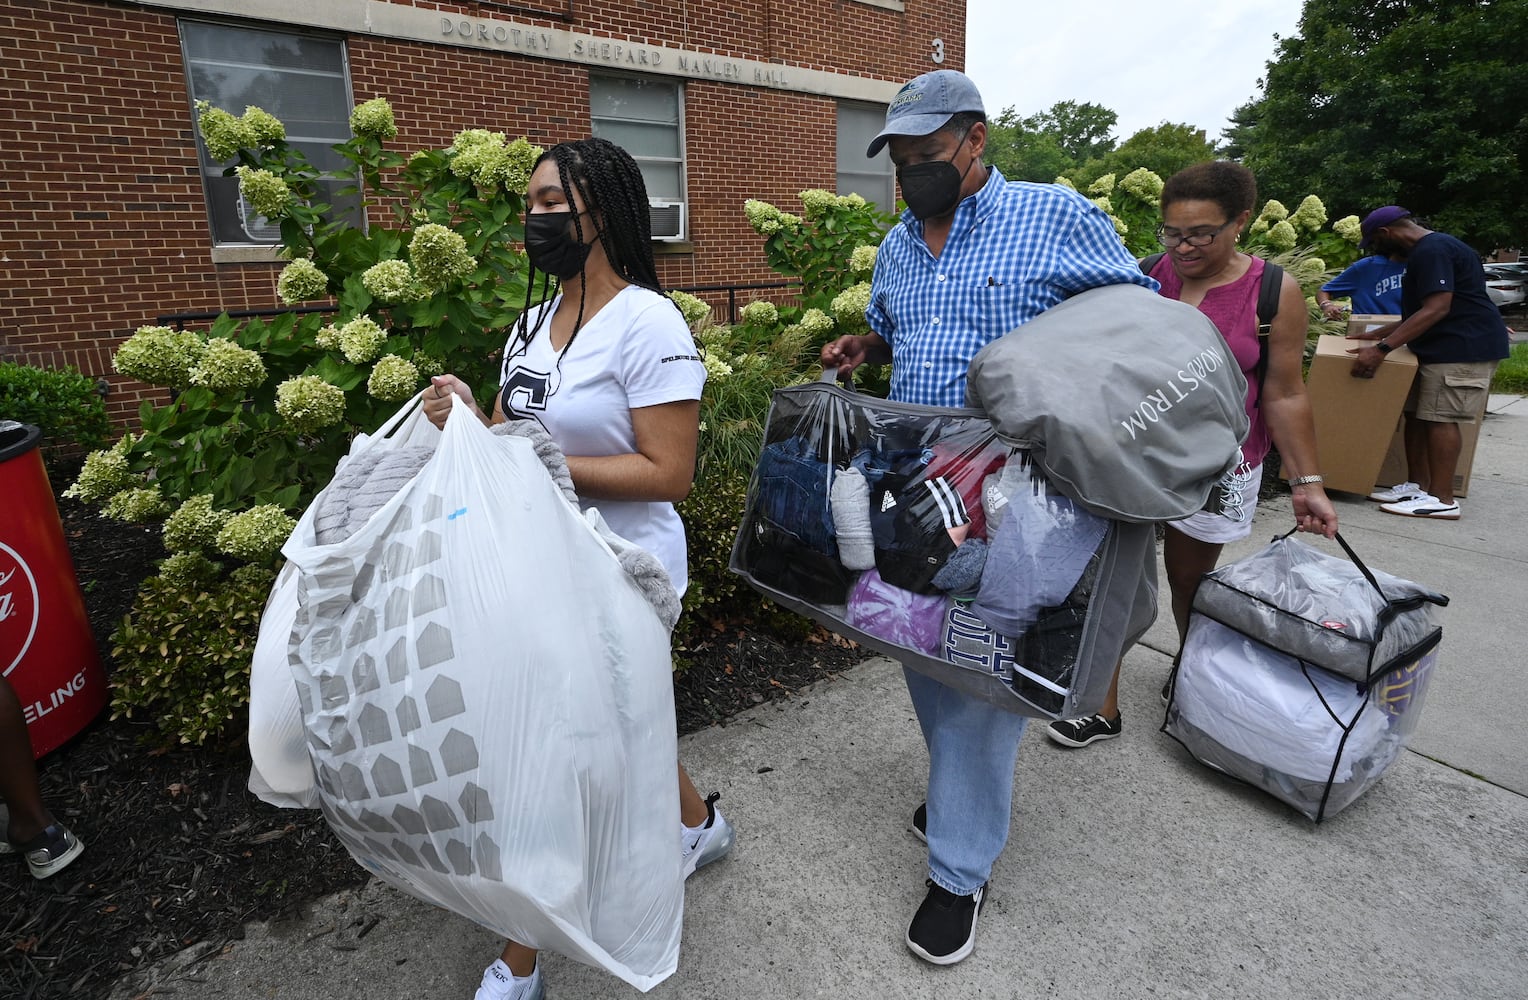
{"x":1372,"y":285}
{"x":1458,"y":337}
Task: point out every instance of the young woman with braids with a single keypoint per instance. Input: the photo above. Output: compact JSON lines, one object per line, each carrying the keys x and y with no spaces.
{"x":609,"y":368}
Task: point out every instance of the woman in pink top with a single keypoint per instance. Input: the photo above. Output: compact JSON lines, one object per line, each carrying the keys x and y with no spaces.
{"x":1205,"y":209}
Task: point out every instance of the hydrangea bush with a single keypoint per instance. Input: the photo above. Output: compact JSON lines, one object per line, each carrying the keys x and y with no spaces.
{"x":263,"y":409}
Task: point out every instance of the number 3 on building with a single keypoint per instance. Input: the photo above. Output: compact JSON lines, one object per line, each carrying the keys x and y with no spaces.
{"x":938,"y":52}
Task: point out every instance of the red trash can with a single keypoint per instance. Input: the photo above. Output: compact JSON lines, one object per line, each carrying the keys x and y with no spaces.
{"x":46,"y":649}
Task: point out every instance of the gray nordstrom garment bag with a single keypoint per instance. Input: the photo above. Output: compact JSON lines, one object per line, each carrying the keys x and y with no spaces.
{"x":1131,"y":403}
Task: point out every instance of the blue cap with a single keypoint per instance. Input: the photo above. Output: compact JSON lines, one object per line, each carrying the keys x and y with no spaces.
{"x":926,"y":103}
{"x":1377,"y":220}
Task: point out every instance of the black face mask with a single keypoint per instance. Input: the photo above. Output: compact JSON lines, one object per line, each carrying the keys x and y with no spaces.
{"x":552,"y":247}
{"x":932,"y":189}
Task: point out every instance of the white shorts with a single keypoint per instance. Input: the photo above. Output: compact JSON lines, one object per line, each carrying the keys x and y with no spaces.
{"x":1233,"y":521}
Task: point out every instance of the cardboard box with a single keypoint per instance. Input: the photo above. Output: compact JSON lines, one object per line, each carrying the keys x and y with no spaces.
{"x":1355,"y":418}
{"x":1394,"y":468}
{"x":1364,"y":322}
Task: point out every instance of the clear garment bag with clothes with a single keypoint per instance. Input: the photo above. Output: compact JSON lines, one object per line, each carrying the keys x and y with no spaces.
{"x":917,"y":532}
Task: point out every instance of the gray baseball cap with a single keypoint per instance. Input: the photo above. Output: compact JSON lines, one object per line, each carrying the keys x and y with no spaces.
{"x":925,"y":103}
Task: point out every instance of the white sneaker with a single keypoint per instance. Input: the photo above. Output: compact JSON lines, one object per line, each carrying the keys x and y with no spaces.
{"x":698,"y":848}
{"x":1425,"y":505}
{"x":501,"y":984}
{"x":1397,"y":493}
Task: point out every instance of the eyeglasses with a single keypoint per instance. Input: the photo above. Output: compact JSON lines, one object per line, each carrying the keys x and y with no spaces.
{"x":1170,"y":240}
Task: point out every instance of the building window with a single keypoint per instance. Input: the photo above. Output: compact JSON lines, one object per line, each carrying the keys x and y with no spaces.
{"x":873,"y":178}
{"x":300,"y":79}
{"x":644,"y":117}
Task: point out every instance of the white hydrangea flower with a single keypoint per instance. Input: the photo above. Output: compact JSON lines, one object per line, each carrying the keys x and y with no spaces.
{"x":691,"y":308}
{"x":194,"y":525}
{"x":264,"y":128}
{"x":862,"y":259}
{"x":257,"y":534}
{"x":1104,"y":185}
{"x":1349,"y":228}
{"x":816,"y":201}
{"x":140,"y":503}
{"x":816,"y":322}
{"x":301,"y":281}
{"x":223,"y":134}
{"x":850,"y":304}
{"x":1065,"y":182}
{"x":715,"y":367}
{"x":327,"y":338}
{"x":1310,"y":216}
{"x":361,"y":340}
{"x":226,"y":367}
{"x":1143,"y":184}
{"x":1104,"y":204}
{"x":760,"y":313}
{"x":1281,"y":236}
{"x":104,"y":473}
{"x":393,"y":379}
{"x":264,"y":190}
{"x":762,"y":216}
{"x":391,"y":282}
{"x":159,"y":355}
{"x":189,"y":569}
{"x":1273,"y":211}
{"x":440,"y":255}
{"x":307,"y":403}
{"x":374,"y":120}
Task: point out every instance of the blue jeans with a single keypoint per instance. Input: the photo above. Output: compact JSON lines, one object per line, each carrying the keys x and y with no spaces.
{"x":972,"y":746}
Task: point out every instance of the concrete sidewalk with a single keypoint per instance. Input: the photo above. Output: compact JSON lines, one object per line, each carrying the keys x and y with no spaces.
{"x":1132,"y":871}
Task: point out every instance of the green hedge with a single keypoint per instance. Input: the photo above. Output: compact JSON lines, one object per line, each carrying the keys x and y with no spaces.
{"x":62,"y":403}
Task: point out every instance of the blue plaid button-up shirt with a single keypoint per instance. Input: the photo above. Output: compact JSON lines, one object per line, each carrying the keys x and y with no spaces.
{"x":1015,"y":249}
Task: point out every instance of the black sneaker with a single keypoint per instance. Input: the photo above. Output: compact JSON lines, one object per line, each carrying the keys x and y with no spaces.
{"x":920,"y":822}
{"x":1081,"y":732}
{"x":943,"y":930}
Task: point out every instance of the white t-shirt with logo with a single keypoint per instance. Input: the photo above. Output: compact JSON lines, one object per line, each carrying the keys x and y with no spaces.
{"x":636,"y":351}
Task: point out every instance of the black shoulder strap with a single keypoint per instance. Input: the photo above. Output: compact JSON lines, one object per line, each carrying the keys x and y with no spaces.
{"x":1267,"y":309}
{"x":1147,"y":263}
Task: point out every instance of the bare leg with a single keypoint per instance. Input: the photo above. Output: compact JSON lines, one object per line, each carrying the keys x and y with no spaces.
{"x":520,"y":959}
{"x":1186,"y":559}
{"x":18,"y":772}
{"x":1443,"y":444}
{"x":1110,"y":709}
{"x":692,"y":807}
{"x":1415,"y":438}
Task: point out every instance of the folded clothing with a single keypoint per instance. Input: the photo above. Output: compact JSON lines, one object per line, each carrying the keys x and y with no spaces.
{"x":896,"y":615}
{"x":1039,"y":548}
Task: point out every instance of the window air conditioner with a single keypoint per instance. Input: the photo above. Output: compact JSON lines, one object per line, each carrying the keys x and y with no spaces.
{"x":256,"y":226}
{"x":667,"y":219}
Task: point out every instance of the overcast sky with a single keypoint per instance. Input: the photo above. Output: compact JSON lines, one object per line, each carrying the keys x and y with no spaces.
{"x":1186,"y":61}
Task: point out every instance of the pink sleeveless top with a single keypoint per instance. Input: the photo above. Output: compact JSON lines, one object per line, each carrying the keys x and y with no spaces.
{"x":1233,"y":310}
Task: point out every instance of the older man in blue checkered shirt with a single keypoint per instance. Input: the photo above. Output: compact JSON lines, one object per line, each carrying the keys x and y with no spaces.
{"x":975,"y":256}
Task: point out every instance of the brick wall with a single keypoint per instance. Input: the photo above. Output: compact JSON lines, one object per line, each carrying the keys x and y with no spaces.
{"x":105,"y":224}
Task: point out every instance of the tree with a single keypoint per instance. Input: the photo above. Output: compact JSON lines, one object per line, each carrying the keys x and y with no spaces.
{"x":1411,"y":102}
{"x":1163,"y":149}
{"x":1083,"y":131}
{"x":1022,"y":154}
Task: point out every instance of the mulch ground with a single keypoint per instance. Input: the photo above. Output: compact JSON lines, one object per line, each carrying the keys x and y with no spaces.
{"x":178,"y":852}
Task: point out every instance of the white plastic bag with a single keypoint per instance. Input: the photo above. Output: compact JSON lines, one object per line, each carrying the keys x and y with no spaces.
{"x":281,"y":772}
{"x":488,"y":702}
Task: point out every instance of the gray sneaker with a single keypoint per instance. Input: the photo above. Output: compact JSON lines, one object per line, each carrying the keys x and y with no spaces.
{"x":48,"y":853}
{"x":500,"y":984}
{"x":713,"y":842}
{"x":1398,"y":493}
